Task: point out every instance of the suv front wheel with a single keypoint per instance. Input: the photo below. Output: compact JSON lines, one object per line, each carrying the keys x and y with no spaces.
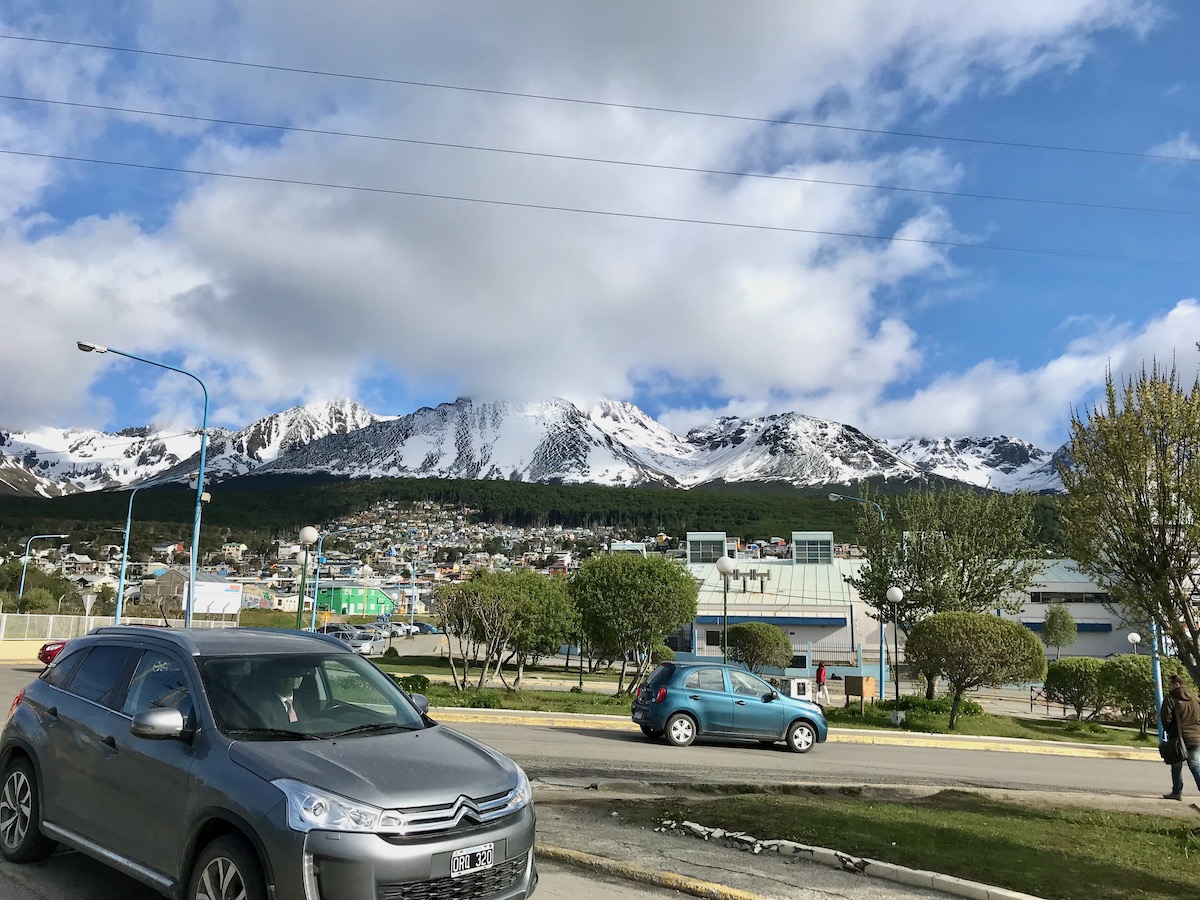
{"x":21,"y":838}
{"x":227,"y":870}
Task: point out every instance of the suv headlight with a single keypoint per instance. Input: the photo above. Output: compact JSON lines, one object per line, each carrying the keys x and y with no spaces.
{"x":523,"y":794}
{"x":310,"y":808}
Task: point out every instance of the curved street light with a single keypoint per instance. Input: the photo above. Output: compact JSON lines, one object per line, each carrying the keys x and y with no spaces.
{"x":833,"y":498}
{"x":312,"y":626}
{"x":25,"y":564}
{"x":726,"y":567}
{"x":88,"y":347}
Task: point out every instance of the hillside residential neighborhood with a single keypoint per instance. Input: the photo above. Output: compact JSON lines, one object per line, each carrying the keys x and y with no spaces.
{"x":796,"y":582}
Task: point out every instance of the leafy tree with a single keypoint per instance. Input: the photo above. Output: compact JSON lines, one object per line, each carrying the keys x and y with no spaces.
{"x":757,"y":645}
{"x":1075,"y":682}
{"x":975,"y":650}
{"x":1132,"y":512}
{"x":632,"y":602}
{"x":1127,"y":683}
{"x":36,"y":600}
{"x":545,"y":618}
{"x":1058,"y":628}
{"x":947,"y":550}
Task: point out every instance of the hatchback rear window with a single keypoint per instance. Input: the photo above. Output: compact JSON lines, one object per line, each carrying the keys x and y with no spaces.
{"x":661,"y":675}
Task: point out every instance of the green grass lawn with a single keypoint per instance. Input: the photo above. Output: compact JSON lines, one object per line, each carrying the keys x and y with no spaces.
{"x":988,"y":725}
{"x":1059,"y":854}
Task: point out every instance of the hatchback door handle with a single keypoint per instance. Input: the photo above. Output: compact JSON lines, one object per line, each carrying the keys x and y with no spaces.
{"x":693,"y":696}
{"x":740,"y":702}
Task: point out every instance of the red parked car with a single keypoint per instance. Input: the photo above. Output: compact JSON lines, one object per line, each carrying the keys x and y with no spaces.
{"x":50,"y":650}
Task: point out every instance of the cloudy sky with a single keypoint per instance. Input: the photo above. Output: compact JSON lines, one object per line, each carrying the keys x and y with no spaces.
{"x":919,"y":218}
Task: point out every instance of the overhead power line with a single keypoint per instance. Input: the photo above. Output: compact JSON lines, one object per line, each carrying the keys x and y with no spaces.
{"x":514,"y":204}
{"x":376,"y":79}
{"x":592,"y":159}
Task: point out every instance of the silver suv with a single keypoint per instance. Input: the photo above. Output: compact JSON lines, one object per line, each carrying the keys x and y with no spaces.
{"x":255,"y":764}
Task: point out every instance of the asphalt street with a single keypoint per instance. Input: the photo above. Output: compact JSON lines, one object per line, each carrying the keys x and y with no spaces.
{"x":578,"y":756}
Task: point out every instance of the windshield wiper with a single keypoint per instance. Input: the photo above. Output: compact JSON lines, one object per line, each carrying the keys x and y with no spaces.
{"x":373,"y":727}
{"x":281,"y":733}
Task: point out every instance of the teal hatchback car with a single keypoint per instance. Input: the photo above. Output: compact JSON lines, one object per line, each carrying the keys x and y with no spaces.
{"x":685,"y":700}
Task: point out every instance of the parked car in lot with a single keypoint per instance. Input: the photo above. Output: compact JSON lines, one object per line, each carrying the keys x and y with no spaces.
{"x":247,"y":763}
{"x":367,"y":641}
{"x":683,"y":701}
{"x":49,"y":650}
{"x":426,"y":628}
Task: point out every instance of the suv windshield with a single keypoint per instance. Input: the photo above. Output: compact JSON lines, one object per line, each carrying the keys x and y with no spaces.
{"x":299,"y":696}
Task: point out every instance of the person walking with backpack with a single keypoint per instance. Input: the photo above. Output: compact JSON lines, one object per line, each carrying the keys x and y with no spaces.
{"x":1180,"y":716}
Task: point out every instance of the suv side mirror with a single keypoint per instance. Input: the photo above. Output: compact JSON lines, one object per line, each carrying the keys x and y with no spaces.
{"x":158,"y":723}
{"x":421,"y":702}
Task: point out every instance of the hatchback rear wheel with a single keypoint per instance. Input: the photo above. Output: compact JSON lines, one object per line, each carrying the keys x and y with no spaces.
{"x":681,"y":729}
{"x":227,"y":870}
{"x":21,"y":838}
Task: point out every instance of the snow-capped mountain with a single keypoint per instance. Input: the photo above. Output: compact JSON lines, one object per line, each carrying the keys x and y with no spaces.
{"x":790,"y":447}
{"x":607,"y":443}
{"x":999,"y":463}
{"x":88,"y":460}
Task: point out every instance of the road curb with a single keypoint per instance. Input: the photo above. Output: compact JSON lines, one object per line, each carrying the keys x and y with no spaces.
{"x":855,"y":865}
{"x":836,"y":735}
{"x":632,"y":872}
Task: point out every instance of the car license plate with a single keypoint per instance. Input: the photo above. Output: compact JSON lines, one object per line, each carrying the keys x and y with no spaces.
{"x":472,"y":859}
{"x":637,"y":716}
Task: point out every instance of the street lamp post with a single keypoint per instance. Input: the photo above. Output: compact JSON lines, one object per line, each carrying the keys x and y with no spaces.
{"x":87,"y":347}
{"x":308,"y":537}
{"x":726,"y":567}
{"x":412,"y":604}
{"x":894,"y":596}
{"x":1156,"y":674}
{"x":1134,"y":638}
{"x":125,"y":556}
{"x":317,"y":577}
{"x":25,"y":564}
{"x":833,"y":498}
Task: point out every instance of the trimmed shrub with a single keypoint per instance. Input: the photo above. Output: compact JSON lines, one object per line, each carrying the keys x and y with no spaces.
{"x":938,"y":706}
{"x":415,"y":684}
{"x":1075,"y":682}
{"x":662,"y":653}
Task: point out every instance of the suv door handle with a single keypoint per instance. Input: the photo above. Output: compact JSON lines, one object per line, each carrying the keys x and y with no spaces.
{"x":109,"y":741}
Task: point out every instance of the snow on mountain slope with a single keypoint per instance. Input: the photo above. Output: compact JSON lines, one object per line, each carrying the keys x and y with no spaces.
{"x":798,"y":449}
{"x":999,"y":463}
{"x":607,"y":443}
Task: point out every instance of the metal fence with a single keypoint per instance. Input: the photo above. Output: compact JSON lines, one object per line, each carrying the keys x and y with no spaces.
{"x":26,"y":627}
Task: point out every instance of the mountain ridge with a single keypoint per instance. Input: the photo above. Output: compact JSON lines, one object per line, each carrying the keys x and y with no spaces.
{"x":554,"y":441}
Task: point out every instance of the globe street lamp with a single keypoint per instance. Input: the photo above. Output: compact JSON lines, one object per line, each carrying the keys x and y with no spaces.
{"x":87,"y":347}
{"x":308,"y":537}
{"x":894,"y":596}
{"x":726,"y":567}
{"x":833,"y":498}
{"x":1134,"y":638}
{"x":25,"y":564}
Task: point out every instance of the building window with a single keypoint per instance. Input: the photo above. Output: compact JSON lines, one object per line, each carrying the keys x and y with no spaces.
{"x":705,"y":551}
{"x":807,"y":552}
{"x":1063,"y":597}
{"x":712,"y":638}
{"x":681,"y":640}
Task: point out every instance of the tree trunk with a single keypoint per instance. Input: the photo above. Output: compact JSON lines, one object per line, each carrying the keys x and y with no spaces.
{"x":621,"y":677}
{"x":930,"y":687}
{"x":954,"y":708}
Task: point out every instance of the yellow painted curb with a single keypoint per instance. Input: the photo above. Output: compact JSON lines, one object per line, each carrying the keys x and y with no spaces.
{"x":632,"y":872}
{"x":840,"y":736}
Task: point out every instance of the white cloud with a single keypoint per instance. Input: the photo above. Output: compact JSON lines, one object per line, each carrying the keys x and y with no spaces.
{"x":279,"y":292}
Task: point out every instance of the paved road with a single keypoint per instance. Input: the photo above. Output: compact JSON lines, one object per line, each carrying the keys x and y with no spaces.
{"x":580,"y":755}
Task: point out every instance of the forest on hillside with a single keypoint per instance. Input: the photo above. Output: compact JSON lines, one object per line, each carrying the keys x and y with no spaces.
{"x":256,"y":510}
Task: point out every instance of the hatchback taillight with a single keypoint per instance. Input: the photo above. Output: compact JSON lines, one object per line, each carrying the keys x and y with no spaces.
{"x":660,"y":695}
{"x":16,"y":702}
